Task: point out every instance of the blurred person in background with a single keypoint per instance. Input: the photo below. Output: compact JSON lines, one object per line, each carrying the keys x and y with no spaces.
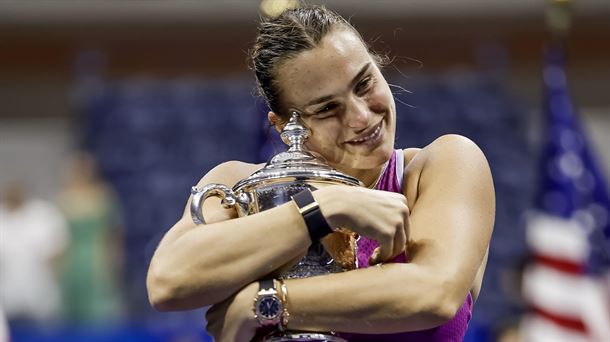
{"x":93,"y":263}
{"x":4,"y":335}
{"x":33,"y":239}
{"x":313,"y":61}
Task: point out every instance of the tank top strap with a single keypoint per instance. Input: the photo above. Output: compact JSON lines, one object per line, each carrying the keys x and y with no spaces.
{"x":400,"y":166}
{"x":389,"y":180}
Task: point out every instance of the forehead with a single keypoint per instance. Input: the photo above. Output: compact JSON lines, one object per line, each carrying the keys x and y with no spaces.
{"x":324,"y":70}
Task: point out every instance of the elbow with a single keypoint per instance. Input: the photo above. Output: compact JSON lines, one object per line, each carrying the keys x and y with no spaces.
{"x":445,"y":311}
{"x":159,"y":296}
{"x":434,"y":314}
{"x":173,"y":290}
{"x":159,"y":300}
{"x":435,"y":305}
{"x":162,"y":293}
{"x":444,"y":305}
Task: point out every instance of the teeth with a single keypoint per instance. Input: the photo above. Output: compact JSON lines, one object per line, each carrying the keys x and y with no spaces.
{"x":369,"y":137}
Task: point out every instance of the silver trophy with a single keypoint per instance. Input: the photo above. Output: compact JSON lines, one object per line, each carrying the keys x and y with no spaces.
{"x":285,"y":175}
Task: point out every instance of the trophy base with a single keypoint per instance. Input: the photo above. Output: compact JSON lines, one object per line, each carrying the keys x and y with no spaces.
{"x":293,"y":336}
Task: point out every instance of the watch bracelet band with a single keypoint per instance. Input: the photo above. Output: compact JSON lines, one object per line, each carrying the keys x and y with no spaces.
{"x":317,"y":226}
{"x":285,"y":315}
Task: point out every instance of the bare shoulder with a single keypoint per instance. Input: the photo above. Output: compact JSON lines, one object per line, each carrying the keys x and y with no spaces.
{"x":455,"y":150}
{"x":454,"y":166}
{"x":409,"y":154}
{"x":453,"y":141}
{"x":449,"y":148}
{"x":229,"y":173}
{"x":448,"y":157}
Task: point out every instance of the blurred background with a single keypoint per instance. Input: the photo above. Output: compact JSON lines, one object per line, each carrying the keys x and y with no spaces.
{"x":111,"y":110}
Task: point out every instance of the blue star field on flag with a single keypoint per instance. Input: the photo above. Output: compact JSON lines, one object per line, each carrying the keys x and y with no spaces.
{"x":572,"y":183}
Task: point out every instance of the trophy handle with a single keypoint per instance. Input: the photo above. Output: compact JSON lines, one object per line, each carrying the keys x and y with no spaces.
{"x":230,"y":199}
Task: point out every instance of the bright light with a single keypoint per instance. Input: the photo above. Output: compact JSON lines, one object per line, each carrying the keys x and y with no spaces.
{"x":273,"y":8}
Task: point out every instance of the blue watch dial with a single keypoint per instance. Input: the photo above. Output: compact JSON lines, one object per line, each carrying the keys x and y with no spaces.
{"x":269,"y":307}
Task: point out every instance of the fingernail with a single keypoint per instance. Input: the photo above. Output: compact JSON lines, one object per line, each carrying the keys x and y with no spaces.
{"x":374,"y":257}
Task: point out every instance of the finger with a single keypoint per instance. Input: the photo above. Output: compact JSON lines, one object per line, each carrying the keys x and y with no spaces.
{"x":407,"y":223}
{"x":399,"y":235}
{"x":209,"y":314}
{"x":400,"y":240}
{"x":386,"y":248}
{"x":213,"y":326}
{"x":212,"y":330}
{"x":374,"y":259}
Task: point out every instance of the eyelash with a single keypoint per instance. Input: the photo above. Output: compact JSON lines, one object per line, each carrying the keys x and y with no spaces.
{"x":328,"y":107}
{"x":361,"y":88}
{"x":364,"y":86}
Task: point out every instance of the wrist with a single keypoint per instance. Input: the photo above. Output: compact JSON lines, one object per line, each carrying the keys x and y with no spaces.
{"x":330,"y":202}
{"x":245,"y":296}
{"x":239,"y":311}
{"x":309,"y":208}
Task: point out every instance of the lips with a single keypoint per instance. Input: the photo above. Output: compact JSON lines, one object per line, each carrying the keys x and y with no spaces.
{"x":371,"y":134}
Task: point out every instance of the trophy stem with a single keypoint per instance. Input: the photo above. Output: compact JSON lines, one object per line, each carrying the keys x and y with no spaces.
{"x":294,"y":134}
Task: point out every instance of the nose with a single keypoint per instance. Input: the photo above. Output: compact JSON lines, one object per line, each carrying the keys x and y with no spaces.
{"x":358,"y":114}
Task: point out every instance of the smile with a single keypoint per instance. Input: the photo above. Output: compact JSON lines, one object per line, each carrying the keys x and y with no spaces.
{"x":369,"y":137}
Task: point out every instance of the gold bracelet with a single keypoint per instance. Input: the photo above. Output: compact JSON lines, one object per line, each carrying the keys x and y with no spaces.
{"x":285,"y":315}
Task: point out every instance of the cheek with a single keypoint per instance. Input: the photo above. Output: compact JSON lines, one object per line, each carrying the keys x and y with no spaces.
{"x":322,"y":129}
{"x":380,"y":100}
{"x":323,"y":136}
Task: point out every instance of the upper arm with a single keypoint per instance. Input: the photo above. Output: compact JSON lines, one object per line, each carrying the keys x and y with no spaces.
{"x":453,"y":215}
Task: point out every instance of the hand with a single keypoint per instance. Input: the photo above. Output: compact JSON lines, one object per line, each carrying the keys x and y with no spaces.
{"x":233,"y":319}
{"x":379,"y":215}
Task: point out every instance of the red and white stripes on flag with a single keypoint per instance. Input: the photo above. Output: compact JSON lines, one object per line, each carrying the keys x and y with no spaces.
{"x":566,"y":303}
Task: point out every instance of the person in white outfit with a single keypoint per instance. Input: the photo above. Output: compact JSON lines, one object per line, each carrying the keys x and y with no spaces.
{"x":33,"y":236}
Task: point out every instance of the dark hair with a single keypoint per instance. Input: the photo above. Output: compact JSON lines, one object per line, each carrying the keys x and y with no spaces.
{"x":293,"y":31}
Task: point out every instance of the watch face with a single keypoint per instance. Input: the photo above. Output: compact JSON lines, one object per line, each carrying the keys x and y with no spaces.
{"x":269,"y":307}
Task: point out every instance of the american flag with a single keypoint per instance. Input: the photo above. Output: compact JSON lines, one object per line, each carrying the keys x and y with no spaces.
{"x":566,"y":284}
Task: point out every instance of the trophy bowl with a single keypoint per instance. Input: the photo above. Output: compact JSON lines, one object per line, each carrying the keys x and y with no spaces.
{"x":285,"y":175}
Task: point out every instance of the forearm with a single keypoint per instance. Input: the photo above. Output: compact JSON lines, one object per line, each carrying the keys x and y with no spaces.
{"x":386,"y":299}
{"x":207,"y":264}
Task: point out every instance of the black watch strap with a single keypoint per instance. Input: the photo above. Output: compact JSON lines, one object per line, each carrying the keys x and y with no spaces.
{"x":317,"y":226}
{"x":266,"y":284}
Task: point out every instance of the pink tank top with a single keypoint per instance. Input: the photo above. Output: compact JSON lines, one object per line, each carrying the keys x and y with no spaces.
{"x":454,"y":330}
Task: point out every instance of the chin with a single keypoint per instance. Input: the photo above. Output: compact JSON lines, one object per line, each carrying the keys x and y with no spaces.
{"x":384,"y":153}
{"x":376,"y":158}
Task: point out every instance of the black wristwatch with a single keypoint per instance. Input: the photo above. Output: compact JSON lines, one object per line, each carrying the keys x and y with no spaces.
{"x":268,"y":306}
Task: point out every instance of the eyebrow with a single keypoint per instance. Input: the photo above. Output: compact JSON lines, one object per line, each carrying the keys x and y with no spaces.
{"x":325,"y":98}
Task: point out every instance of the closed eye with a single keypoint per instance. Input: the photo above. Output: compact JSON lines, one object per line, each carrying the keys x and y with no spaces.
{"x":364,"y":85}
{"x":326,"y":109}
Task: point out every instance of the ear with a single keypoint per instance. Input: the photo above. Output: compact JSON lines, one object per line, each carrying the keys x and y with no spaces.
{"x":276,"y":121}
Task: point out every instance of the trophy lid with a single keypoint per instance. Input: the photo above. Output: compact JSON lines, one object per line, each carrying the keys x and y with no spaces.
{"x":295,"y":163}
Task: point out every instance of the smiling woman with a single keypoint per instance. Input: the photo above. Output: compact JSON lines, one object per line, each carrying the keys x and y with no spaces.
{"x":435,"y":203}
{"x":352,"y":114}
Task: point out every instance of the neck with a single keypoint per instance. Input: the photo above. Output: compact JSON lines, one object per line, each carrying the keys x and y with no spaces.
{"x":367,"y":176}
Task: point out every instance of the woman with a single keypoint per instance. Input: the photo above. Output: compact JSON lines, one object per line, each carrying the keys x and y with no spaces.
{"x":313,"y":61}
